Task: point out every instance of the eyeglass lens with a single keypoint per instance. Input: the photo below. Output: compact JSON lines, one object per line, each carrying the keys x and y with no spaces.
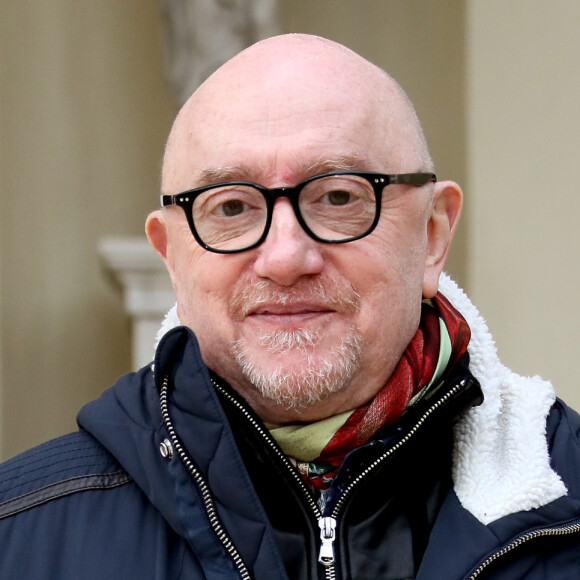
{"x":334,"y":208}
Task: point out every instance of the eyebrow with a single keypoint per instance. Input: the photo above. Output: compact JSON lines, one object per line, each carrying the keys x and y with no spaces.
{"x":342,"y":163}
{"x":219,"y":174}
{"x":242,"y":172}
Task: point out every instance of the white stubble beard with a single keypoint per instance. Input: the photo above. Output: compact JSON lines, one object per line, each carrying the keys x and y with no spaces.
{"x":313,"y":379}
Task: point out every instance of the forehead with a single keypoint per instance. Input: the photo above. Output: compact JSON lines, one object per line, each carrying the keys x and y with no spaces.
{"x":279,"y":119}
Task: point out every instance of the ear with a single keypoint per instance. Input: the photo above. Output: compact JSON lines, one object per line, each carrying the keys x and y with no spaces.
{"x":156,"y":231}
{"x":447,"y":201}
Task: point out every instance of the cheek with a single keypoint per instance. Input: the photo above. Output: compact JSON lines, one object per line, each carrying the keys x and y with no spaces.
{"x":389,"y":317}
{"x":392,"y":260}
{"x":391,"y":293}
{"x":387,"y":272}
{"x":203,"y":282}
{"x":203,"y":299}
{"x":403,"y":242}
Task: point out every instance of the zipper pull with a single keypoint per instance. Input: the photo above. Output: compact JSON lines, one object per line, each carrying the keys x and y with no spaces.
{"x":327,"y":527}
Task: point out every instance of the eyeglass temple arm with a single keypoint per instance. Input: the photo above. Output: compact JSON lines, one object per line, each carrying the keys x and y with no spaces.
{"x":412,"y":178}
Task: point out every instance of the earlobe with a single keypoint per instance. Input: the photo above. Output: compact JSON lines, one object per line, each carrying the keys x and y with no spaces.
{"x":447,"y":201}
{"x":156,"y":231}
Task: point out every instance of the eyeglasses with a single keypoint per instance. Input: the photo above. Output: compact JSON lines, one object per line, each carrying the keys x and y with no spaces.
{"x":333,"y":208}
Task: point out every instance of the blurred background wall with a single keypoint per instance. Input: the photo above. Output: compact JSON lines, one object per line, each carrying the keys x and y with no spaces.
{"x":84,"y":112}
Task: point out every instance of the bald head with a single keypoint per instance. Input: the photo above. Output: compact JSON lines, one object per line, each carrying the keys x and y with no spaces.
{"x":294,"y":85}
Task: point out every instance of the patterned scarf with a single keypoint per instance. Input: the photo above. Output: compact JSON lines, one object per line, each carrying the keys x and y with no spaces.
{"x":318,"y":449}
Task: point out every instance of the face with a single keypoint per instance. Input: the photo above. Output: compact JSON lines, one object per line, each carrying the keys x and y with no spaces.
{"x":302,"y":329}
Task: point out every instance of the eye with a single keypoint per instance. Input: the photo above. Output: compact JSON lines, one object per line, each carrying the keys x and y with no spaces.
{"x":232,"y":207}
{"x":337,"y":197}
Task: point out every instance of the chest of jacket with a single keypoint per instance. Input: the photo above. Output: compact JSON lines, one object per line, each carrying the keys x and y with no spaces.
{"x":384,"y":500}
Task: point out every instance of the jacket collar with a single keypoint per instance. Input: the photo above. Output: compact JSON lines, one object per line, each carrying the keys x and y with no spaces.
{"x":501,"y":463}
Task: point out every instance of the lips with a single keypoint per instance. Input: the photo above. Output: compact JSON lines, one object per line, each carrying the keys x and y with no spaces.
{"x":288,"y":309}
{"x":288,"y":314}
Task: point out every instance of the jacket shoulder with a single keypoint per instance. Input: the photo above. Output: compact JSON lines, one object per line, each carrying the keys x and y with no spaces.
{"x":563,"y":434}
{"x":562,"y":419}
{"x":66,"y":465}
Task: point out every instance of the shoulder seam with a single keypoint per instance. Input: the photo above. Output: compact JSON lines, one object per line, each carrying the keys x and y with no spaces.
{"x":63,"y":488}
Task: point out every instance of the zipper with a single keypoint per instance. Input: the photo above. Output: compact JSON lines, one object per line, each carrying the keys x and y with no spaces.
{"x":355,"y":482}
{"x":327,"y":542}
{"x":328,"y":524}
{"x":327,"y":527}
{"x":519,"y":541}
{"x":202,"y":486}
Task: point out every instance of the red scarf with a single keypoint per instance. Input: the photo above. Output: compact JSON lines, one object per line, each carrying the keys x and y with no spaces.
{"x":414,"y":370}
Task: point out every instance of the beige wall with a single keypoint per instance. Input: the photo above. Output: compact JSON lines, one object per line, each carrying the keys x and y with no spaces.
{"x":84,"y":113}
{"x":523,"y":190}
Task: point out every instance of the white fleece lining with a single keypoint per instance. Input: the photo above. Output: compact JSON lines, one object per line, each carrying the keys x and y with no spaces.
{"x":171,"y":320}
{"x":500,"y":462}
{"x":500,"y":459}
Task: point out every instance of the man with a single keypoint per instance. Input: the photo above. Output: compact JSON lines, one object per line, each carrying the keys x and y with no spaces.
{"x":329,"y":404}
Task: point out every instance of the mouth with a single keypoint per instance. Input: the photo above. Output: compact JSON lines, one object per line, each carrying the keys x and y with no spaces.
{"x":311,"y":303}
{"x":289,"y":315}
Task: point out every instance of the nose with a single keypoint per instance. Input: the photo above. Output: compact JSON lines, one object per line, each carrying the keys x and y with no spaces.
{"x":288,"y":252}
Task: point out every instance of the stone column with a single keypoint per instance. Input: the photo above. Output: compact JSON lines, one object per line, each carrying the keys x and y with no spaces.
{"x":200,"y":35}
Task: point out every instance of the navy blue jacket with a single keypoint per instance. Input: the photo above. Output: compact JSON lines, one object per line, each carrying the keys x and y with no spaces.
{"x":133,"y":495}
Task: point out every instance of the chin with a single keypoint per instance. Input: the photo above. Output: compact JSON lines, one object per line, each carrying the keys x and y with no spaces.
{"x":297,"y":376}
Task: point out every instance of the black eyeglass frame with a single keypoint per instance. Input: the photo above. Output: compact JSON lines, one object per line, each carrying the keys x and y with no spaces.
{"x":378,"y":181}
